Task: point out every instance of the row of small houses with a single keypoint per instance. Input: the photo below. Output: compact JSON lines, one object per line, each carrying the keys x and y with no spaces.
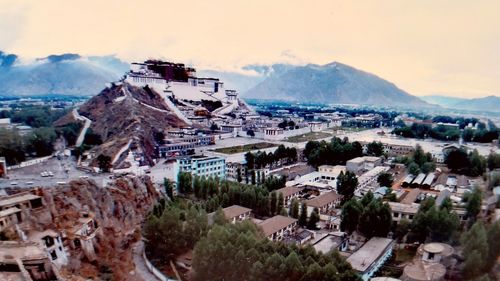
{"x":420,"y":181}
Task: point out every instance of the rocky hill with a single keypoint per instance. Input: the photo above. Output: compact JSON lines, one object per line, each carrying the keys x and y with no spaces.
{"x":124,"y":115}
{"x":66,"y":74}
{"x":332,"y":83}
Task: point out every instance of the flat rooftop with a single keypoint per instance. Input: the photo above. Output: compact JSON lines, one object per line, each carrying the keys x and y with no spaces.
{"x":9,"y":211}
{"x":404,"y":208}
{"x":15,"y":199}
{"x":328,"y":243}
{"x":12,"y":250}
{"x":370,"y":252}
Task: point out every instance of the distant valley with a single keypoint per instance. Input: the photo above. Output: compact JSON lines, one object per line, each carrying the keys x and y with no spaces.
{"x":489,"y":103}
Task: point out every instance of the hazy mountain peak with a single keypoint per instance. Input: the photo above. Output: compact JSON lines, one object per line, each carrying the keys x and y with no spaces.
{"x":332,"y":83}
{"x":66,"y":74}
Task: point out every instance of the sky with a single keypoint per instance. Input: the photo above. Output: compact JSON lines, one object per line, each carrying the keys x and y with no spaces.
{"x":448,"y":47}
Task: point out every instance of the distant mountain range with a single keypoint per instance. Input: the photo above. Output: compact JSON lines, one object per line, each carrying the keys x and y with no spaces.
{"x":333,"y":83}
{"x":66,"y":74}
{"x":489,"y":103}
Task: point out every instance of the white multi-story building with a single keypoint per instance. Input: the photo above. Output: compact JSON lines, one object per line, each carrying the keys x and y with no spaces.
{"x":199,"y":165}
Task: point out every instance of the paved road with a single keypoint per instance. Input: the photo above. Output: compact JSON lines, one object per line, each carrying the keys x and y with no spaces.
{"x":64,"y":170}
{"x":87,"y":121}
{"x":141,"y":270}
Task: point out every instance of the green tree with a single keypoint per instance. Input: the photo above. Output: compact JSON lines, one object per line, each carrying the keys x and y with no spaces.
{"x":402,"y":229}
{"x":351,"y":212}
{"x":346,"y":184}
{"x":376,"y":219}
{"x":104,"y":163}
{"x":169,"y":189}
{"x":41,"y":141}
{"x":219,"y":217}
{"x":413,"y":168}
{"x":303,"y":215}
{"x":273,"y":203}
{"x":473,"y":205}
{"x":385,"y":179}
{"x":313,"y":219}
{"x":294,"y":209}
{"x":475,"y":244}
{"x":375,"y":148}
{"x":184,"y":182}
{"x":493,"y":236}
{"x":280,"y":203}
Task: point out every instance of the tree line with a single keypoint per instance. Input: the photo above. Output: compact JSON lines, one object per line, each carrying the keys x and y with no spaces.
{"x":213,"y":193}
{"x":418,"y":162}
{"x":243,"y":253}
{"x":466,"y":163}
{"x":370,"y":216}
{"x":335,"y":152}
{"x":262,"y":159}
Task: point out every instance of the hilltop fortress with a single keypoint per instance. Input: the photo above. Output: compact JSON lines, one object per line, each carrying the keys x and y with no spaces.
{"x":194,"y":97}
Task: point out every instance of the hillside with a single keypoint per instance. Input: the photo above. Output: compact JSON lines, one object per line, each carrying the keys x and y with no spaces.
{"x":489,"y":103}
{"x":67,"y":74}
{"x":332,"y":83}
{"x":124,"y":113}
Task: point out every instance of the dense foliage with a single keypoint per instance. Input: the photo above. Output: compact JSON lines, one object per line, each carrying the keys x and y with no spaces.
{"x":241,"y":252}
{"x":482,"y":248}
{"x":214,"y":193}
{"x":335,"y":152}
{"x":370,"y":216}
{"x":471,"y":164}
{"x":418,"y":162}
{"x":34,"y":116}
{"x":261,"y":159}
{"x":437,"y":223}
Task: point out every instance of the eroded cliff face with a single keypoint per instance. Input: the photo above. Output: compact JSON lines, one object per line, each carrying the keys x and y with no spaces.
{"x":118,"y":210}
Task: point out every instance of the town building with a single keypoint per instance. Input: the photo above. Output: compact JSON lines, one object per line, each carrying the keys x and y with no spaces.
{"x":236,"y":170}
{"x":278,"y":227}
{"x":430,"y":263}
{"x":3,"y":167}
{"x":332,"y":241}
{"x":233,"y":214}
{"x":289,"y":193}
{"x":83,"y":235}
{"x":362,"y":164}
{"x":371,"y":256}
{"x":324,"y":202}
{"x":25,"y":261}
{"x":234,"y":129}
{"x":182,"y":146}
{"x":370,"y":177}
{"x":325,"y":179}
{"x":403,"y":211}
{"x":200,"y":165}
{"x":52,"y":242}
{"x":398,"y":149}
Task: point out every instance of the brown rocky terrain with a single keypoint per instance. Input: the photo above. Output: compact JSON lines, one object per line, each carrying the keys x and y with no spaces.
{"x":119,"y":210}
{"x":124,"y":112}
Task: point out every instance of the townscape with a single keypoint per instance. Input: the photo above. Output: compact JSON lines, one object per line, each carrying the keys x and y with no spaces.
{"x":156,"y":166}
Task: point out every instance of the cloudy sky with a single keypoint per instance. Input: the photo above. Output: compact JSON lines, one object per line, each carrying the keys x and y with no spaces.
{"x":448,"y":47}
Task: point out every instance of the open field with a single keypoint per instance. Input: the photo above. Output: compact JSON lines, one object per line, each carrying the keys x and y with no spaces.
{"x":244,"y":148}
{"x":309,"y":136}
